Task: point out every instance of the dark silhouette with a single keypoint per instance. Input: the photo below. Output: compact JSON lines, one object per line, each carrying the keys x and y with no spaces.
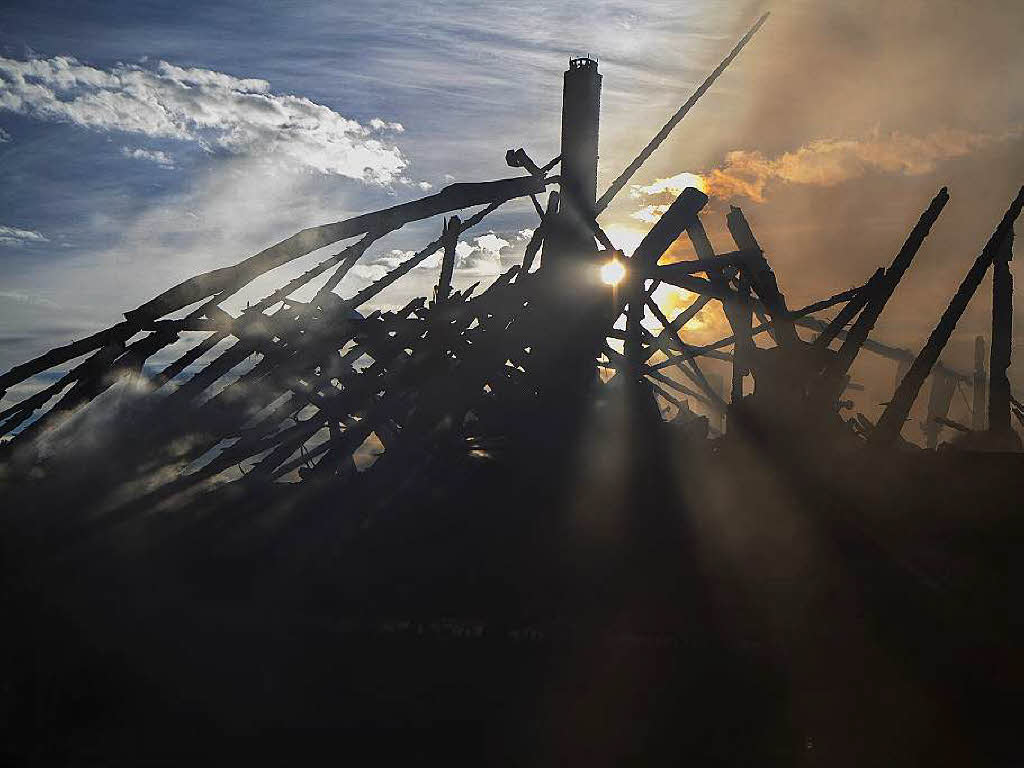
{"x":449,"y":530}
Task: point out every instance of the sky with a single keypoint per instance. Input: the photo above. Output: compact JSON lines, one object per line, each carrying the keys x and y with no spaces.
{"x":142,"y":142}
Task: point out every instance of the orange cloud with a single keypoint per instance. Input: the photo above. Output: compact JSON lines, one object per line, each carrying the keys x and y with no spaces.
{"x":827,"y":162}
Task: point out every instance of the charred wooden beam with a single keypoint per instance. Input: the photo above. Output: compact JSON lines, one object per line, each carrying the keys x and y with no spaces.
{"x":939,"y":399}
{"x":688,"y":365}
{"x":287,"y":444}
{"x":679,"y":217}
{"x":664,"y":393}
{"x":120,"y":332}
{"x":81,"y":391}
{"x":679,"y":321}
{"x":735,"y":304}
{"x":347,"y":257}
{"x":688,"y":349}
{"x":847,"y":313}
{"x":762,"y":277}
{"x":945,"y":422}
{"x":891,"y":422}
{"x":743,"y":257}
{"x":743,"y":330}
{"x":449,"y":240}
{"x":898,"y":354}
{"x":796,"y":315}
{"x":517,"y":158}
{"x":537,"y":239}
{"x":413,"y":261}
{"x":189,"y":357}
{"x":445,"y":400}
{"x":255,"y":332}
{"x":876,"y":303}
{"x":164,"y":329}
{"x":352,"y":254}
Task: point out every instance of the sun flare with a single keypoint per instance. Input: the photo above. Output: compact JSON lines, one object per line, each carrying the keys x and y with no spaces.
{"x":613,"y":272}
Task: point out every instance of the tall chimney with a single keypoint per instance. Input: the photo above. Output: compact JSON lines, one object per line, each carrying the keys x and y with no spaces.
{"x":581,"y":115}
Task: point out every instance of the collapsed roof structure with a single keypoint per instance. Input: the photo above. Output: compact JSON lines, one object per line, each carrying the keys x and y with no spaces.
{"x":307,"y":405}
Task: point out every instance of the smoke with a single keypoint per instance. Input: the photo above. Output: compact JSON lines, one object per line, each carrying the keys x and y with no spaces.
{"x":114,"y":451}
{"x":834,"y":130}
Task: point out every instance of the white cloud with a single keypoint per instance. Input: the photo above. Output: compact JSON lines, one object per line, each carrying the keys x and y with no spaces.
{"x":369,"y":272}
{"x":218,"y":111}
{"x":15,"y":236}
{"x":382,"y":125}
{"x":396,"y":256}
{"x":423,"y":185}
{"x":672,"y":186}
{"x":4,"y":136}
{"x":433,"y":261}
{"x":483,"y":258}
{"x":154,"y":156}
{"x":491,"y":243}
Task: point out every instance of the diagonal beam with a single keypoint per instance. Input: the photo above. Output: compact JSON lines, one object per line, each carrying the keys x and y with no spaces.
{"x":876,"y":302}
{"x":624,"y":177}
{"x":451,"y":198}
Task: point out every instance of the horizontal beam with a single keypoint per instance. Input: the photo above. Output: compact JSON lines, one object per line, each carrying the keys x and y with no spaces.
{"x":732,"y":259}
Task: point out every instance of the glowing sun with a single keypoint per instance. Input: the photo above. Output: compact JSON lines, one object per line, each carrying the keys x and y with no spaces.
{"x":613,"y":272}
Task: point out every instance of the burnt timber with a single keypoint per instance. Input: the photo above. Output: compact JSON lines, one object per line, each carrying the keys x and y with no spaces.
{"x":488,"y":524}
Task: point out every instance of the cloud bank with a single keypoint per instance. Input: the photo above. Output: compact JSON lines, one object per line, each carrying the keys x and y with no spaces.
{"x":219,"y":112}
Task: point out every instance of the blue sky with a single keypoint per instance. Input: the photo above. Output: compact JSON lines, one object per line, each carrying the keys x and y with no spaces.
{"x":155,"y":150}
{"x":125,"y":208}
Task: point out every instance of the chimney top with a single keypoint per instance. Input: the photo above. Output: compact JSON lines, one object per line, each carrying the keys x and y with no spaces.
{"x":580,"y":62}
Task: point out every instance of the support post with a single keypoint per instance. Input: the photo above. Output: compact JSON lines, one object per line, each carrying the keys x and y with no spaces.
{"x":763,"y":278}
{"x":979,"y":385}
{"x":999,"y":359}
{"x":449,"y":239}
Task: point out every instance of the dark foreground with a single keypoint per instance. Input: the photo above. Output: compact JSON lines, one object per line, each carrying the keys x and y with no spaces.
{"x":742,"y":612}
